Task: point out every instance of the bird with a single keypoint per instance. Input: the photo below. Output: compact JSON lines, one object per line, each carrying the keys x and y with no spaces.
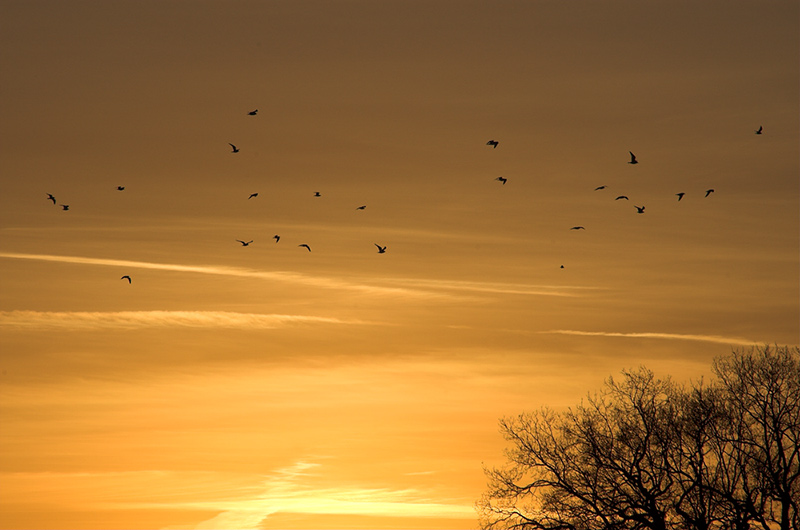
{"x":633,"y":158}
{"x":126,"y":277}
{"x":244,"y":243}
{"x":65,"y":207}
{"x":622,"y":197}
{"x":234,"y":149}
{"x":577,"y":228}
{"x":502,"y":179}
{"x":362,"y":207}
{"x":760,"y":129}
{"x":562,"y":266}
{"x":306,"y":246}
{"x":493,"y":143}
{"x":317,"y":194}
{"x":120,"y":188}
{"x":680,"y":196}
{"x":599,"y":188}
{"x":381,"y":250}
{"x":252,"y":112}
{"x":276,"y":237}
{"x":639,"y":209}
{"x":51,"y":198}
{"x":252,"y":195}
{"x":709,"y":191}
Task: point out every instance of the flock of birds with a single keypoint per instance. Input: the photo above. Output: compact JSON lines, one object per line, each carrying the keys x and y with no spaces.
{"x":382,"y":249}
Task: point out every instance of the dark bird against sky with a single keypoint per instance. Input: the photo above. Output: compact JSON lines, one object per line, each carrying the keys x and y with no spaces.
{"x":577,"y":228}
{"x":50,"y":197}
{"x":306,"y":246}
{"x":760,"y":130}
{"x":633,"y":158}
{"x":361,"y":207}
{"x":65,"y":207}
{"x":502,"y":179}
{"x":252,"y":195}
{"x":252,"y":112}
{"x":126,"y":277}
{"x":639,"y":209}
{"x":120,"y":188}
{"x":680,"y":196}
{"x":599,"y":188}
{"x":381,"y":250}
{"x":317,"y":194}
{"x":493,"y":143}
{"x":621,"y":197}
{"x":709,"y":191}
{"x":244,"y":243}
{"x":276,"y":237}
{"x":234,"y":149}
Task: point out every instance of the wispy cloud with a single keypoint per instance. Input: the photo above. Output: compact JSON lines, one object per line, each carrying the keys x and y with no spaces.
{"x":84,"y":320}
{"x":383,"y":286}
{"x":648,"y":335}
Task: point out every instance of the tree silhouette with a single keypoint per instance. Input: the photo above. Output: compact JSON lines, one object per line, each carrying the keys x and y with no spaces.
{"x":647,"y":453}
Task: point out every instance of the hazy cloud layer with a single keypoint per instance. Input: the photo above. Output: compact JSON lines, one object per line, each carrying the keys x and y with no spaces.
{"x":647,"y":335}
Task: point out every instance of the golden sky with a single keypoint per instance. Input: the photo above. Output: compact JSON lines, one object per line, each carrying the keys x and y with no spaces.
{"x":266,"y":386}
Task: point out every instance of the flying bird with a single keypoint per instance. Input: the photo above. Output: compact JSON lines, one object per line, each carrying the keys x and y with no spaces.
{"x":234,"y":149}
{"x":276,"y":237}
{"x":639,"y":209}
{"x":306,"y":246}
{"x":317,"y":194}
{"x":599,"y":188}
{"x":493,"y":143}
{"x":252,"y":112}
{"x":562,"y":266}
{"x":120,"y":188}
{"x":126,"y":277}
{"x":760,"y":129}
{"x":252,"y":195}
{"x":502,"y":179}
{"x":633,"y":159}
{"x":361,"y":207}
{"x":709,"y":191}
{"x":65,"y":207}
{"x":381,"y":250}
{"x":244,"y":243}
{"x":622,"y":197}
{"x":680,"y":196}
{"x":51,"y":198}
{"x":577,"y":228}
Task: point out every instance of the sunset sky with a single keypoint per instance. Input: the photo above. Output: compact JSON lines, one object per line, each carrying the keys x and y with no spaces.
{"x":266,"y":386}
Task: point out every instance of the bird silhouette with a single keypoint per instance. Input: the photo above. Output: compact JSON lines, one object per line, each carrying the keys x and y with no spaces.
{"x":244,"y":243}
{"x":234,"y":149}
{"x":493,"y":143}
{"x":252,"y":112}
{"x":577,"y":228}
{"x":120,"y":188}
{"x":252,"y":195}
{"x":760,"y":129}
{"x":599,"y":188}
{"x":562,"y":266}
{"x":361,"y":207}
{"x":306,"y":246}
{"x":622,"y":197}
{"x":633,"y":159}
{"x":639,"y":209}
{"x":126,"y":277}
{"x":317,"y":194}
{"x":65,"y":207}
{"x":51,"y":198}
{"x":680,"y":196}
{"x":276,"y":237}
{"x":709,"y":192}
{"x":502,"y":179}
{"x":381,"y":250}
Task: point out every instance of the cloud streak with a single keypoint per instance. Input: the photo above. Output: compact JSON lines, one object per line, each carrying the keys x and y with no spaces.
{"x":397,"y":286}
{"x":649,"y":335}
{"x":92,"y":320}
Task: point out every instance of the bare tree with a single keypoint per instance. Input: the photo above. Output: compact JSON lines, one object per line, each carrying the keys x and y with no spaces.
{"x":645,"y":453}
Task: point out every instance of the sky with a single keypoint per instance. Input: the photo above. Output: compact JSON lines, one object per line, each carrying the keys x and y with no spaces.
{"x":278,"y":386}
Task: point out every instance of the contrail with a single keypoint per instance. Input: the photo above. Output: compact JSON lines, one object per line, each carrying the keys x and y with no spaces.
{"x":648,"y":335}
